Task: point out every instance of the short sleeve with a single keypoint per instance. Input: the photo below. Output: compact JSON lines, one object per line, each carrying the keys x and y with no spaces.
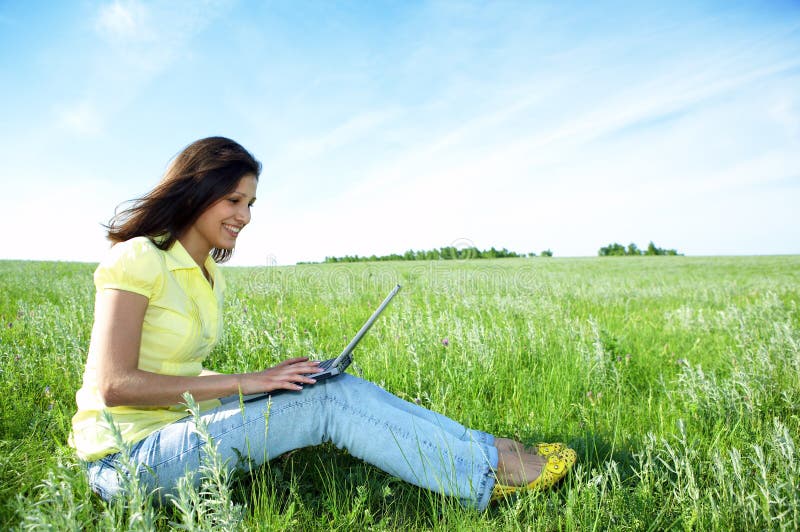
{"x":135,"y":265}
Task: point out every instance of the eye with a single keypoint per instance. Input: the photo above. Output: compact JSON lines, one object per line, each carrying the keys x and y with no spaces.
{"x":233,"y":200}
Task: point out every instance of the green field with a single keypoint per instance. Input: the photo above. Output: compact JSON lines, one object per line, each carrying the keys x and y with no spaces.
{"x":676,"y":379}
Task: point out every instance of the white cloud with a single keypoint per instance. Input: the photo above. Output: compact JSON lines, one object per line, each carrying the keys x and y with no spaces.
{"x":350,"y":131}
{"x":140,"y":42}
{"x":785,"y":110}
{"x":123,"y":20}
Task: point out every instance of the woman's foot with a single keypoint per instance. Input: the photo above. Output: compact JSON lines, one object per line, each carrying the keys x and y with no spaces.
{"x":520,"y":469}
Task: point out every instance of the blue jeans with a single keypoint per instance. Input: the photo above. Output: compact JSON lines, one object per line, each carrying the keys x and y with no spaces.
{"x":405,"y":440}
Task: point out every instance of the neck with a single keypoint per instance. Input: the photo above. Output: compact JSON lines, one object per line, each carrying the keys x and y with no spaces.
{"x":196,"y":250}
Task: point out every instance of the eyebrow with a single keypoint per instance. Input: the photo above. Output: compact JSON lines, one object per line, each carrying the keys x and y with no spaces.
{"x":242,"y":194}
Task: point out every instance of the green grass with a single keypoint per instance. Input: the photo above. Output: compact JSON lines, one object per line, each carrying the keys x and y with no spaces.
{"x":676,"y":379}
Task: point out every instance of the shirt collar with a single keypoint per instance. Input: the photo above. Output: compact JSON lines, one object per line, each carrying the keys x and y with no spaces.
{"x":179,"y":259}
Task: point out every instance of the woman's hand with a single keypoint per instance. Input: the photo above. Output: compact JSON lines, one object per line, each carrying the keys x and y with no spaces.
{"x":290,"y":374}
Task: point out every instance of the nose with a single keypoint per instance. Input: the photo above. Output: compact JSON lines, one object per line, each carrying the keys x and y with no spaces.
{"x":243,"y":213}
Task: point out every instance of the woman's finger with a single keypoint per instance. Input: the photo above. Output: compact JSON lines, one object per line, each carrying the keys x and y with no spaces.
{"x":290,"y":361}
{"x":300,"y":373}
{"x":297,"y":369}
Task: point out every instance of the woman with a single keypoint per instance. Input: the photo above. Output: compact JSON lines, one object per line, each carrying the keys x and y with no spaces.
{"x":158,"y":313}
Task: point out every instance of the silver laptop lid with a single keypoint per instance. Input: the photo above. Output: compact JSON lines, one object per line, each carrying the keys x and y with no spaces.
{"x":364,"y":328}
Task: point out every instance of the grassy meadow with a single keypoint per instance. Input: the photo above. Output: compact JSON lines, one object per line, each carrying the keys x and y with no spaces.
{"x":677,"y":380}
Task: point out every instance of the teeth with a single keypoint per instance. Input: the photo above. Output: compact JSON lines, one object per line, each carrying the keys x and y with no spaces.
{"x":232,"y":228}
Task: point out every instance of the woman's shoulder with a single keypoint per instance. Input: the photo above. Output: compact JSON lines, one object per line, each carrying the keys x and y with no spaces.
{"x":136,"y":263}
{"x":137,"y":249}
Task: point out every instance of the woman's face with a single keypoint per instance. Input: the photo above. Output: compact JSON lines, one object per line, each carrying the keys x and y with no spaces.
{"x":220,"y":224}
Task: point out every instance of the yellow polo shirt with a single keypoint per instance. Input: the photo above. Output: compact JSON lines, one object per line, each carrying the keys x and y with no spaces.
{"x":182,"y":324}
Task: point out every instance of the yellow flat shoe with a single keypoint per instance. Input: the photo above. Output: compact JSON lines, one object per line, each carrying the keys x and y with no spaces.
{"x":555,"y":469}
{"x":546,"y":449}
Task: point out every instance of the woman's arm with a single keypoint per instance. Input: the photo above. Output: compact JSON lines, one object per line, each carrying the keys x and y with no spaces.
{"x":116,"y":339}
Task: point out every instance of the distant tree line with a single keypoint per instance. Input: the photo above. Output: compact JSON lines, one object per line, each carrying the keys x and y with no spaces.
{"x":444,"y":253}
{"x":618,"y":250}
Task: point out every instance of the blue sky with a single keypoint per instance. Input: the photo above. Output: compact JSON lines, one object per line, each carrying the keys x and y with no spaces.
{"x":384,"y":126}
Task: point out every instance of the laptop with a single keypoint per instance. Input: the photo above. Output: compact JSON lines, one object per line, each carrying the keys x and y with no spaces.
{"x":335,"y":366}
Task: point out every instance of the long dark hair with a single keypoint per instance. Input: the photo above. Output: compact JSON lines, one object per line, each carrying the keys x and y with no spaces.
{"x":201,"y":174}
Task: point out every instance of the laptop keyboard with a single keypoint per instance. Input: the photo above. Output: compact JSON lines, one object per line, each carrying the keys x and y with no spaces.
{"x":325,"y":364}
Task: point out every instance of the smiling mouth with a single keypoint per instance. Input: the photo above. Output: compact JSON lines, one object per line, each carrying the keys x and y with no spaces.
{"x":232,"y":230}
